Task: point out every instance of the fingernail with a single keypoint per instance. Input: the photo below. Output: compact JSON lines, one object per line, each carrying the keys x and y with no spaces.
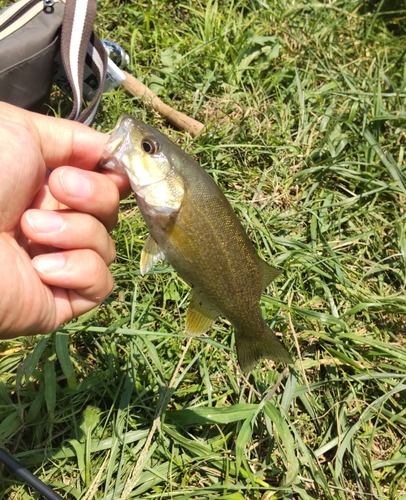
{"x":43,"y":221}
{"x":49,"y":263}
{"x":74,"y":183}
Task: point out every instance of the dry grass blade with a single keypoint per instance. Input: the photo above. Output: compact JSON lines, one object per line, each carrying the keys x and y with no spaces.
{"x":133,"y":479}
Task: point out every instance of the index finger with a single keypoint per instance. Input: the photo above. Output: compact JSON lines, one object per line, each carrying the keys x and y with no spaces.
{"x":62,"y":142}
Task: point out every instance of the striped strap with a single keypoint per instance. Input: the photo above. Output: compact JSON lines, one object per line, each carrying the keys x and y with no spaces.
{"x":78,"y":43}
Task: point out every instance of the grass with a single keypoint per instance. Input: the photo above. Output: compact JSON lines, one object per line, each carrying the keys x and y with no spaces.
{"x":304,"y":105}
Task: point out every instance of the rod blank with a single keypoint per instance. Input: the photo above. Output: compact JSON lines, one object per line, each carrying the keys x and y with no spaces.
{"x":28,"y":477}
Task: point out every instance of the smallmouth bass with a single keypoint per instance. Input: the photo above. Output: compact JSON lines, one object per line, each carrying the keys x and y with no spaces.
{"x":193,"y":226}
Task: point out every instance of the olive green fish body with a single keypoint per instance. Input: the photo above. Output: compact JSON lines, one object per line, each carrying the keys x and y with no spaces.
{"x":190,"y":239}
{"x":194,"y":227}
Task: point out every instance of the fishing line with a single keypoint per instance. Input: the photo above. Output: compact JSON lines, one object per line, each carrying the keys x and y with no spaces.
{"x":28,"y":477}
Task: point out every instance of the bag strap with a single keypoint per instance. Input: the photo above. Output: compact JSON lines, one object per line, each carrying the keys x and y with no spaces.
{"x":78,"y":43}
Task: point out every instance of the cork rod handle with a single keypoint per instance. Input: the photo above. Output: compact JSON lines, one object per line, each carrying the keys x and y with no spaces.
{"x":176,"y":118}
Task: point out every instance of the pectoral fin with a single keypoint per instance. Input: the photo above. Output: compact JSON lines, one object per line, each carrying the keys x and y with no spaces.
{"x":150,"y":254}
{"x":199,"y":317}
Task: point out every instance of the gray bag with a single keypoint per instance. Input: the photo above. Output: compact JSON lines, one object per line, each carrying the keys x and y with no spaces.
{"x":32,"y":32}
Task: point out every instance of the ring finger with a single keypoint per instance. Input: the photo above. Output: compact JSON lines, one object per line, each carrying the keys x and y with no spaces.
{"x":66,"y":230}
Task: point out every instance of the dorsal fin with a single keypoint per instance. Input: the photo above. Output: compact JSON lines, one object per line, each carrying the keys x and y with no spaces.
{"x":268,"y":273}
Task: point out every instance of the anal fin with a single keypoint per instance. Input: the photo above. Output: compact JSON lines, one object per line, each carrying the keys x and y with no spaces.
{"x":199,"y":317}
{"x":150,"y":254}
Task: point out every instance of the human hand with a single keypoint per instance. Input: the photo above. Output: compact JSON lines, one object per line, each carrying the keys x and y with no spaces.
{"x":54,"y":243}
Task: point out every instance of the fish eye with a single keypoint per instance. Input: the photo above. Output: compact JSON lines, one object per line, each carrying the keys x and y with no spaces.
{"x":149,"y":145}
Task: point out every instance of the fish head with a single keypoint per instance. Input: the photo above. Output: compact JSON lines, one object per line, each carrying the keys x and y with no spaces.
{"x":144,"y":155}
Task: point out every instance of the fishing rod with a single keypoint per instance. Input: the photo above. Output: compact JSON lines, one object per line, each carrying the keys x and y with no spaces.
{"x":28,"y":477}
{"x":118,"y":60}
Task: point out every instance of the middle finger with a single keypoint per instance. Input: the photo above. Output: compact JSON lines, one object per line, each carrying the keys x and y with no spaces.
{"x":86,"y":191}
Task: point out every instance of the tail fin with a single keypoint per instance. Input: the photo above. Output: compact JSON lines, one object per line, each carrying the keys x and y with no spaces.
{"x":265,"y":345}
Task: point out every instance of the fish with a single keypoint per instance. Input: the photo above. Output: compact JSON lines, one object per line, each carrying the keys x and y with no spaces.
{"x":193,"y":226}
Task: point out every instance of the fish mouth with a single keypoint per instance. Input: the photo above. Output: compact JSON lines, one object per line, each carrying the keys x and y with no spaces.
{"x":110,"y":159}
{"x":113,"y":145}
{"x":116,"y":146}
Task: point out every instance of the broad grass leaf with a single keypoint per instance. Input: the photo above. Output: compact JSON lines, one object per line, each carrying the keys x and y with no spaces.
{"x":288,"y":395}
{"x":221,"y":415}
{"x":36,"y":406}
{"x":31,"y":361}
{"x":50,"y":387}
{"x":120,"y":422}
{"x":80,"y":454}
{"x":4,"y":395}
{"x":387,"y":160}
{"x":288,"y":449}
{"x":9,"y":426}
{"x":243,"y":437}
{"x":63,"y":353}
{"x":232,"y":496}
{"x":198,"y":448}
